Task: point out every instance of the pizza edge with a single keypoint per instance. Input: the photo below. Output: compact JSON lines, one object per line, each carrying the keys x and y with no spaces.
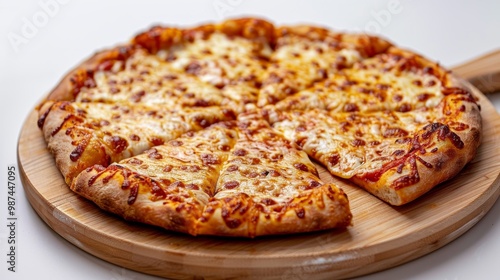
{"x":119,"y":190}
{"x":88,"y":150}
{"x":237,"y":215}
{"x":325,"y":207}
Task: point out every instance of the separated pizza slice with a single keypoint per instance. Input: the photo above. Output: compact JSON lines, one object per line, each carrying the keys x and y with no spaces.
{"x":397,"y":156}
{"x":305,"y":55}
{"x":167,"y":186}
{"x":268,"y":187}
{"x":396,"y":80}
{"x":83,"y":134}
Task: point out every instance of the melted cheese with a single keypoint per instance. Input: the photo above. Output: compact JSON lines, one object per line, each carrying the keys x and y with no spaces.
{"x":191,"y":163}
{"x":299,"y":64}
{"x":369,"y":86}
{"x":230,"y":63}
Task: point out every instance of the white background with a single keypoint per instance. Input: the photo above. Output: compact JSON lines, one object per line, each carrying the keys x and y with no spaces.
{"x":449,"y":31}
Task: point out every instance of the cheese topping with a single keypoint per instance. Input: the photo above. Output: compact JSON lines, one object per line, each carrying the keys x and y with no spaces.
{"x":264,"y":166}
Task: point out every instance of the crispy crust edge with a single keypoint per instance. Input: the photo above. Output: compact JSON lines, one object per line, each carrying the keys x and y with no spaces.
{"x":56,"y":121}
{"x":107,"y":192}
{"x":325,"y":207}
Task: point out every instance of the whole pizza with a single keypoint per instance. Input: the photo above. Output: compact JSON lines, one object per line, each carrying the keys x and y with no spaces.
{"x":216,"y":129}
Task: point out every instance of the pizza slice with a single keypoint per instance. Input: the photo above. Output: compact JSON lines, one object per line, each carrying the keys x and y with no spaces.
{"x":396,"y":80}
{"x":167,"y":186}
{"x":397,"y":156}
{"x":223,"y":180}
{"x":305,"y":55}
{"x":268,"y":187}
{"x":83,"y":134}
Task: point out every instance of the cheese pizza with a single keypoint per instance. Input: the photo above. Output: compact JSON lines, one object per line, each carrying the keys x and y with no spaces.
{"x":213,"y":130}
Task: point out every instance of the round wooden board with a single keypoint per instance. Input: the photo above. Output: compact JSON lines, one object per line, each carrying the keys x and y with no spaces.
{"x":381,"y":237}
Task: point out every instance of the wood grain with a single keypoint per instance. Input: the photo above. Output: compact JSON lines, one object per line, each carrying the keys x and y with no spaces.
{"x":482,"y":72}
{"x":381,"y":237}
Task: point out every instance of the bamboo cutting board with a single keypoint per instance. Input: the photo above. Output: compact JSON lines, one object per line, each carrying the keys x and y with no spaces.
{"x":381,"y":237}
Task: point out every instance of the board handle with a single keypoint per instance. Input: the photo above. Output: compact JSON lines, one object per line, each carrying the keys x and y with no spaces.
{"x":483,"y":72}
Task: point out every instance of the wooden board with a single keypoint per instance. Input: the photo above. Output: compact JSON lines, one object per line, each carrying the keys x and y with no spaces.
{"x":381,"y":237}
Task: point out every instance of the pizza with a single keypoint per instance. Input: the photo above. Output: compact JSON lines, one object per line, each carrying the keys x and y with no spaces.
{"x":218,"y":129}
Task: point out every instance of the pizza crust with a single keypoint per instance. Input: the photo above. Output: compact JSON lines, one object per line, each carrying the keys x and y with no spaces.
{"x":322,"y":208}
{"x":54,"y":118}
{"x":178,"y":214}
{"x":235,"y":215}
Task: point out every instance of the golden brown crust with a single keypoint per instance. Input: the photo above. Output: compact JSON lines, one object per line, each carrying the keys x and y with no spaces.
{"x":73,"y":146}
{"x":130,"y":196}
{"x":249,"y":28}
{"x":158,"y":37}
{"x":322,"y":208}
